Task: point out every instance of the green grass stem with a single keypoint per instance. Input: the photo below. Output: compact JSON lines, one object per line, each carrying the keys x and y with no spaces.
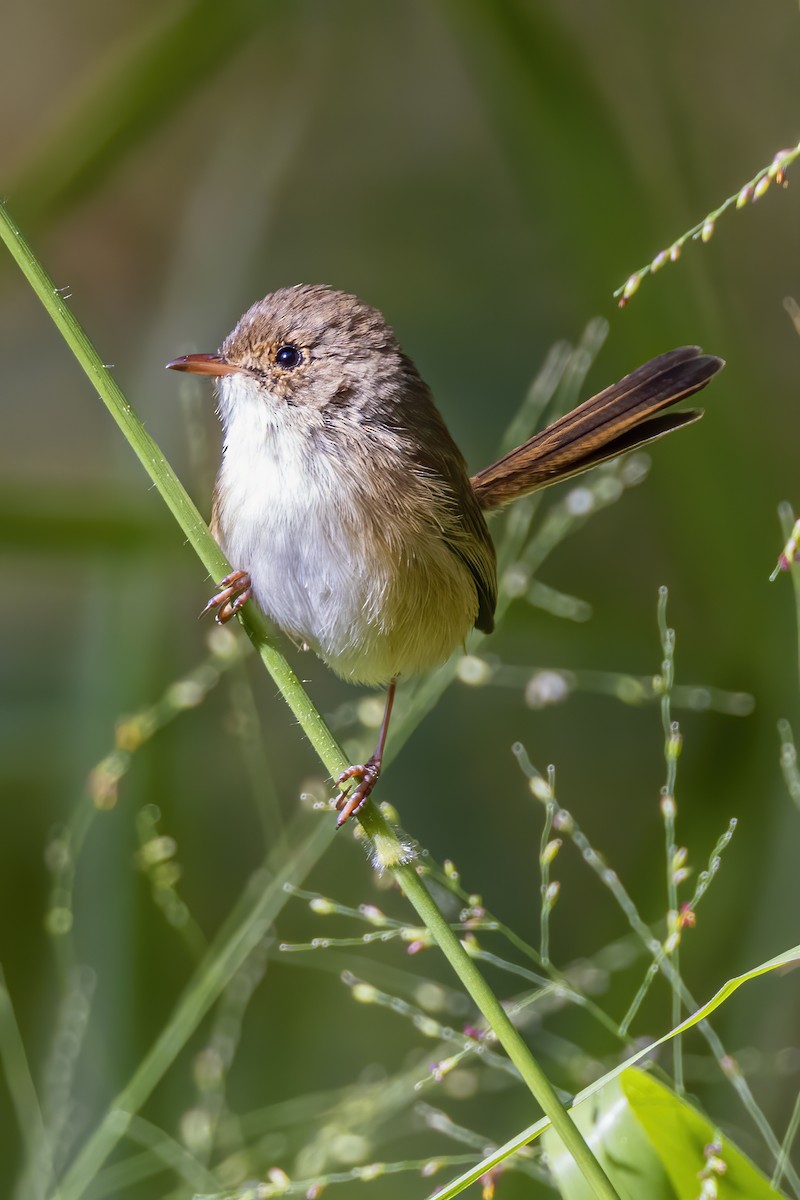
{"x":672,"y":745}
{"x":232,"y":949}
{"x":24,"y":1098}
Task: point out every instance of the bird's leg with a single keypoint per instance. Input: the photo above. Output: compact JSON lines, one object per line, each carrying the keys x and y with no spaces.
{"x":234,"y":590}
{"x":350,"y":803}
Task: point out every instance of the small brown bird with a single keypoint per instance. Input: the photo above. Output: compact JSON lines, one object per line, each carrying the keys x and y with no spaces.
{"x":346,"y":506}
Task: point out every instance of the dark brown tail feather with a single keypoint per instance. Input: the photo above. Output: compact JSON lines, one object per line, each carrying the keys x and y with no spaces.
{"x":616,"y":420}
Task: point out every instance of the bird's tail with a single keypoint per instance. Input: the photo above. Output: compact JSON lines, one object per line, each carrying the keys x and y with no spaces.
{"x":624,"y":416}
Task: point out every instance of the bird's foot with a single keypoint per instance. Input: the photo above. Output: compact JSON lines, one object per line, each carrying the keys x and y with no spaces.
{"x":349,"y":804}
{"x":234,"y":591}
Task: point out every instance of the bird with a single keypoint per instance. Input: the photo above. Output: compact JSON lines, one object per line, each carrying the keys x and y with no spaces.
{"x":345,"y":506}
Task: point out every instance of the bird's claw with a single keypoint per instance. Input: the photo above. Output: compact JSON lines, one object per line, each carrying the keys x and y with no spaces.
{"x":234,"y":591}
{"x":349,"y":804}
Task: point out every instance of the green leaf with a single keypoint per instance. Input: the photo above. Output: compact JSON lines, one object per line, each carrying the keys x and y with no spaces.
{"x":788,"y":958}
{"x":652,"y":1143}
{"x":678,"y":1134}
{"x":621,"y":1145}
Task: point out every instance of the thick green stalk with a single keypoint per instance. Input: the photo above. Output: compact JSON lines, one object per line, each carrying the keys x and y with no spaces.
{"x":203,"y":991}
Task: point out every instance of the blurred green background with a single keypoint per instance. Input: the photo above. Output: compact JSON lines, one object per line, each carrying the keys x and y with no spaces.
{"x":486,"y":174}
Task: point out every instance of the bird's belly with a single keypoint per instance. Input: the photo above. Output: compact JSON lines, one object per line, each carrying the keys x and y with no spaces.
{"x":371,"y":607}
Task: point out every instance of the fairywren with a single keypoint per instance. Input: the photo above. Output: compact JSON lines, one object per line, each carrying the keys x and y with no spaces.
{"x":346,"y":506}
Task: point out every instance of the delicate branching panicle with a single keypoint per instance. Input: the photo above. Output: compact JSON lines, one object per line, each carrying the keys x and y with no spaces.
{"x":703,"y":231}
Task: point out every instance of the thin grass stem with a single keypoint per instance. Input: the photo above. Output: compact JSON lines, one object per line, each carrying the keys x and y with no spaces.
{"x":791,"y":532}
{"x":703,"y":231}
{"x":25,"y":1101}
{"x":672,"y":743}
{"x":786,"y":1145}
{"x":547,"y":853}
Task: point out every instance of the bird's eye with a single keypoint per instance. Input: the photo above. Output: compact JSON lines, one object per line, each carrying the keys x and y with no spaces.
{"x":288,"y":357}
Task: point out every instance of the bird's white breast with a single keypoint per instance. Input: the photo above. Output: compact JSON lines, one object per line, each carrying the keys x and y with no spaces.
{"x":289,"y":514}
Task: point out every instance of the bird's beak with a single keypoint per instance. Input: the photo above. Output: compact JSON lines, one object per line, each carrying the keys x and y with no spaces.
{"x":205,"y":364}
